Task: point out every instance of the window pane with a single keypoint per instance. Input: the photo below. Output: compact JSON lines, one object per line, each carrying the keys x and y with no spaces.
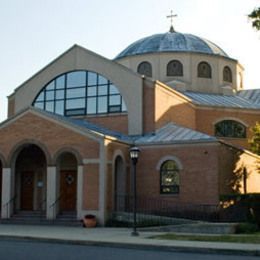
{"x":123,"y":105}
{"x":59,"y":94}
{"x":40,"y":97}
{"x":76,"y":79}
{"x":102,"y":90}
{"x":50,"y":86}
{"x":113,"y":90}
{"x":49,"y":95}
{"x":102,"y":80}
{"x":49,"y":106}
{"x":115,"y":100}
{"x":102,"y":104}
{"x":91,"y":105}
{"x":60,"y":82}
{"x":75,"y":112}
{"x":39,"y":105}
{"x":59,"y":107}
{"x":92,"y":79}
{"x":75,"y":92}
{"x":92,"y":91}
{"x":75,"y":103}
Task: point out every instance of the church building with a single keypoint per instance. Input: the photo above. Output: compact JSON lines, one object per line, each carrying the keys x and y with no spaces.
{"x":177,"y":97}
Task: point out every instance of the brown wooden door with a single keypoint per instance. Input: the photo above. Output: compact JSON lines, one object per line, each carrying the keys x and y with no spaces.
{"x":27,"y":190}
{"x":68,"y":183}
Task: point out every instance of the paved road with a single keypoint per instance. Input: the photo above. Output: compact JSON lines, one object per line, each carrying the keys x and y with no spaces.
{"x":27,"y":250}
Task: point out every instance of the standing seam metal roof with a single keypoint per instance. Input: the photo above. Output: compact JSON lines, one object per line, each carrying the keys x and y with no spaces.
{"x":236,"y":101}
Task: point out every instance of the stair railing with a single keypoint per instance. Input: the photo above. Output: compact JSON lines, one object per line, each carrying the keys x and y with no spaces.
{"x":54,"y":204}
{"x":7,"y":205}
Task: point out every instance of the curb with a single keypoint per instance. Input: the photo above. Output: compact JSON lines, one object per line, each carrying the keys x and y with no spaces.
{"x":166,"y":248}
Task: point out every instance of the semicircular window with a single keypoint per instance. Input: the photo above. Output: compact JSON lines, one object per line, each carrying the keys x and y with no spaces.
{"x":230,"y":128}
{"x":80,"y":93}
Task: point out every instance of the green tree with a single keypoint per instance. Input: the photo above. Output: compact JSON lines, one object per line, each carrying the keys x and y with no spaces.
{"x":255,"y":140}
{"x":254,"y":16}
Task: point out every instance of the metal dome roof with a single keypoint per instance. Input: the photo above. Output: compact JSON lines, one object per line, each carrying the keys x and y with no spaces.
{"x":171,"y":42}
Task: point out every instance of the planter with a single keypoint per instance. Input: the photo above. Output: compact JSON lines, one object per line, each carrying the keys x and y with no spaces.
{"x":89,"y":221}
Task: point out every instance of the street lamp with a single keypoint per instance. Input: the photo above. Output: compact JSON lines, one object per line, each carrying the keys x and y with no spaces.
{"x":134,"y":153}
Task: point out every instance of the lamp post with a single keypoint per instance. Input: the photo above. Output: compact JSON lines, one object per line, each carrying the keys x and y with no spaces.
{"x":134,"y":153}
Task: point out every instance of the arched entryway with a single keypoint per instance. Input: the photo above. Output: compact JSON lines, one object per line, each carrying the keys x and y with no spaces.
{"x":30,"y":179}
{"x":120,"y":198}
{"x":67,"y":167}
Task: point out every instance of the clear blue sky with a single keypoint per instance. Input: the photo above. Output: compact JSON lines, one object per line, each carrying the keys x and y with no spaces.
{"x":34,"y":32}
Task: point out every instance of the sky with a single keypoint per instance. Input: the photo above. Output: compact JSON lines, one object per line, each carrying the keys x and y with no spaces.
{"x":33,"y":33}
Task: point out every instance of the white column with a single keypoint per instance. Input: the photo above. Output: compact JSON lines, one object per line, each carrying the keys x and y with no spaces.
{"x":6,"y":208}
{"x":102,"y":183}
{"x":79,"y":191}
{"x":51,"y":210}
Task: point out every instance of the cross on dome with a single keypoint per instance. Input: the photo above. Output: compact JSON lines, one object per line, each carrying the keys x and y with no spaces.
{"x":171,"y":16}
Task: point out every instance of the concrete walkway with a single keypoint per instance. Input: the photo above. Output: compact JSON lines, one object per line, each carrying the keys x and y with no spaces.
{"x":119,"y":237}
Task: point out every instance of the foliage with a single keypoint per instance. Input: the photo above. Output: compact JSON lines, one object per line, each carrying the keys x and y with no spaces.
{"x":246,"y":228}
{"x":255,"y":140}
{"x":254,"y":16}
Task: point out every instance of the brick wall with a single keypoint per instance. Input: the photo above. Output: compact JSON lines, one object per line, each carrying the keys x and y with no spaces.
{"x":206,"y":118}
{"x":170,"y":107}
{"x":198,"y":178}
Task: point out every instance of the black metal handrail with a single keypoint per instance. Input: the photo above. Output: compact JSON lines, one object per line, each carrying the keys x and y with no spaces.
{"x":6,"y":205}
{"x":55,"y":203}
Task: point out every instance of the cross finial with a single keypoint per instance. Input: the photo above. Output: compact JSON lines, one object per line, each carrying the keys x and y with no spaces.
{"x":171,"y":16}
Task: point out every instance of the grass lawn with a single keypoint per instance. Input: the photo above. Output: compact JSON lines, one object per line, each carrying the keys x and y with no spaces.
{"x":252,"y":238}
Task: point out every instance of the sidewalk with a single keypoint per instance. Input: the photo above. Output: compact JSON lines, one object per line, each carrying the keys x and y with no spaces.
{"x":120,"y":237}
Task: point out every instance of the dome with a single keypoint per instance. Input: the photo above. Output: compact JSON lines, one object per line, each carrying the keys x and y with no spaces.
{"x":171,"y":42}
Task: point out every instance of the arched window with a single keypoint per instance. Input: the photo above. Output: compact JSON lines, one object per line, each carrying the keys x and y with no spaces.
{"x":174,"y":68}
{"x":169,"y":178}
{"x":227,"y":74}
{"x":145,"y":68}
{"x":230,"y":128}
{"x":80,"y":93}
{"x":204,"y":70}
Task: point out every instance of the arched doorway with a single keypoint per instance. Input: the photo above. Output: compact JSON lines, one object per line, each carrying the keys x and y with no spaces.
{"x":30,"y":179}
{"x":120,"y":199}
{"x":67,"y":165}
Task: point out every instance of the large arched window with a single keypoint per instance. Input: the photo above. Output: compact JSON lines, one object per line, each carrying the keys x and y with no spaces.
{"x":227,"y":74}
{"x":174,"y":68}
{"x":145,"y":68}
{"x":80,"y":93}
{"x":169,"y":178}
{"x":204,"y":70}
{"x":230,"y":128}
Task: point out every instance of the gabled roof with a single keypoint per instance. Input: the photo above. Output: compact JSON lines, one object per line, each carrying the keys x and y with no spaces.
{"x":236,"y":101}
{"x":174,"y":134}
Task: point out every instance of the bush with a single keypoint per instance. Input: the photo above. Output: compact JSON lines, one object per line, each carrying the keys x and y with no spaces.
{"x":246,"y":228}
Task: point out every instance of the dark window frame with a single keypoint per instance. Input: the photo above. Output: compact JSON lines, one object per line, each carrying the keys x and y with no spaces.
{"x":166,"y":169}
{"x":145,"y":68}
{"x":227,"y":74}
{"x":204,"y":70}
{"x":230,"y":129}
{"x":97,"y":81}
{"x":174,"y":68}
